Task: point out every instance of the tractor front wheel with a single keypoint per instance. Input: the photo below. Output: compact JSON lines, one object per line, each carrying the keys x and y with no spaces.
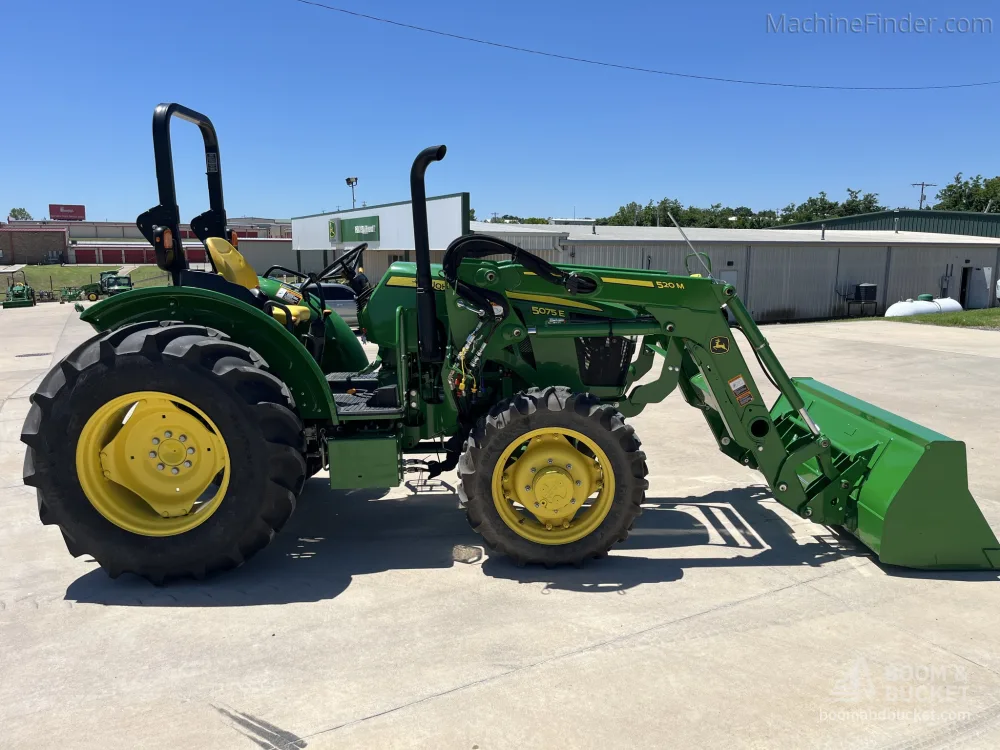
{"x":552,"y":477}
{"x":164,"y":450}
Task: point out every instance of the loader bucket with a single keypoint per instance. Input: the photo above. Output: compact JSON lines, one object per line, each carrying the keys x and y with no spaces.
{"x":911,"y":504}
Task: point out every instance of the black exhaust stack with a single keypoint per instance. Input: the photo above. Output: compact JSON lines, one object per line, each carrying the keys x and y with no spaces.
{"x":427,"y":331}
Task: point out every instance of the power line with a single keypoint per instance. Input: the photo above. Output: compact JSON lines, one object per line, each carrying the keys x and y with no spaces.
{"x":635,"y":68}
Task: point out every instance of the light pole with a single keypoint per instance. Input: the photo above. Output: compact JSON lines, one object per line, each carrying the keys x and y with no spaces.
{"x":351,"y":182}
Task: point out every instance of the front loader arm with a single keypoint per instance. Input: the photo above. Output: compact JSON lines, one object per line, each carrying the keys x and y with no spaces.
{"x":900,"y":488}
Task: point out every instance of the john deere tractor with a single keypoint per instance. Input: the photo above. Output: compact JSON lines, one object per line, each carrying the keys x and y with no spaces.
{"x":176,"y":441}
{"x":19,"y":294}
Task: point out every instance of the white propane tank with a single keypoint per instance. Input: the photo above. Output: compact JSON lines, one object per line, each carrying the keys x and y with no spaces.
{"x":922,"y":307}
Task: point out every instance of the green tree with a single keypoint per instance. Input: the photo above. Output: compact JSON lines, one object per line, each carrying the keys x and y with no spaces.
{"x":534,"y":220}
{"x":472,"y":214}
{"x":973,"y":194}
{"x":857,"y":203}
{"x":19,"y":214}
{"x":814,"y":208}
{"x":742,"y":217}
{"x":506,"y":219}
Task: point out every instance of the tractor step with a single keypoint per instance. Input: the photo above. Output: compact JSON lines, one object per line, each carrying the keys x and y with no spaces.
{"x":344,"y":381}
{"x":377,"y":404}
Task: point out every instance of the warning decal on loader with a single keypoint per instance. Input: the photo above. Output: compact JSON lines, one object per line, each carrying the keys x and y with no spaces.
{"x":740,"y":390}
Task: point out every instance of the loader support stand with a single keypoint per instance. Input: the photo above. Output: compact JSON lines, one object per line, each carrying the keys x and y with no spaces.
{"x":659,"y":389}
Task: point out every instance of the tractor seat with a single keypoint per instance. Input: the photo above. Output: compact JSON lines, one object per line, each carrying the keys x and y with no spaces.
{"x":300,"y":314}
{"x":231,"y":264}
{"x":234,"y":268}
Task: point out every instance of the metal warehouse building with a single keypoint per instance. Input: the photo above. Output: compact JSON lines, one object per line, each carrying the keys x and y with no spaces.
{"x":786,"y":274}
{"x":909,"y":220}
{"x":781,"y":274}
{"x":387,"y":228}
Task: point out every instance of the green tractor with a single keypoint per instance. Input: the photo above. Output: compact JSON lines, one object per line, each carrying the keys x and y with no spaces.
{"x":117,"y":284}
{"x":108,"y":285}
{"x":19,"y":294}
{"x":176,"y":441}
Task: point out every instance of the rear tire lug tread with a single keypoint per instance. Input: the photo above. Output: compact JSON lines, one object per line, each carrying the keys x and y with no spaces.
{"x":269,"y":404}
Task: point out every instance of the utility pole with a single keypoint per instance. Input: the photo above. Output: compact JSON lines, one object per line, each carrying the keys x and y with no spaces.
{"x":923,"y":185}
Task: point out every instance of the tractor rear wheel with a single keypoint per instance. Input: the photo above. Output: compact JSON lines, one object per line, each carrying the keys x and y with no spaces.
{"x":164,"y":450}
{"x":552,"y":477}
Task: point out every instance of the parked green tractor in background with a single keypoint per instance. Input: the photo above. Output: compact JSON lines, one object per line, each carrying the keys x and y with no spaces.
{"x":18,"y":294}
{"x":177,"y":440}
{"x":109,"y":284}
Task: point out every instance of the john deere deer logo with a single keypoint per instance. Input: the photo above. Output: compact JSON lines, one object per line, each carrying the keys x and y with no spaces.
{"x":719,"y":345}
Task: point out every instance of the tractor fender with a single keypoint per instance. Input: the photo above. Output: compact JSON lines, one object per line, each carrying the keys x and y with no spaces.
{"x":285,"y":355}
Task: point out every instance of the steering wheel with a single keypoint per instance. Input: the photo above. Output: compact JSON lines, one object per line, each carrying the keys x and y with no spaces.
{"x":346,"y":265}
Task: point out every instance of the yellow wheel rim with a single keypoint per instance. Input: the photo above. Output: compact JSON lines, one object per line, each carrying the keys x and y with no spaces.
{"x":152,"y":463}
{"x":553,"y":485}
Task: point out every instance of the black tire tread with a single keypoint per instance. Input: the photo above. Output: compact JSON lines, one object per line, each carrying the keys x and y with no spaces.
{"x":520,"y":412}
{"x":268,"y":402}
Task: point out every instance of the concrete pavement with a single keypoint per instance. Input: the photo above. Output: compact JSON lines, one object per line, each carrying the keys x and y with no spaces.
{"x":723,"y":621}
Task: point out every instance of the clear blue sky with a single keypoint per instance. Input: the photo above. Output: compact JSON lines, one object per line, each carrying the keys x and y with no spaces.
{"x":304,"y":97}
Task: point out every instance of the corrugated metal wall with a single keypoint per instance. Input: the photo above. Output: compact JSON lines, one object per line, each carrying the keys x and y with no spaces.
{"x":531,"y":241}
{"x":262,"y":254}
{"x":860,"y":265}
{"x":797,"y":281}
{"x":788,"y":283}
{"x":661,"y":256}
{"x":918,"y":270}
{"x":939,"y":222}
{"x":801,"y":281}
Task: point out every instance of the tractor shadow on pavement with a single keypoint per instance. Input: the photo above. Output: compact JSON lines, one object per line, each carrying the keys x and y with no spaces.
{"x":724,"y":529}
{"x":329,"y":540}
